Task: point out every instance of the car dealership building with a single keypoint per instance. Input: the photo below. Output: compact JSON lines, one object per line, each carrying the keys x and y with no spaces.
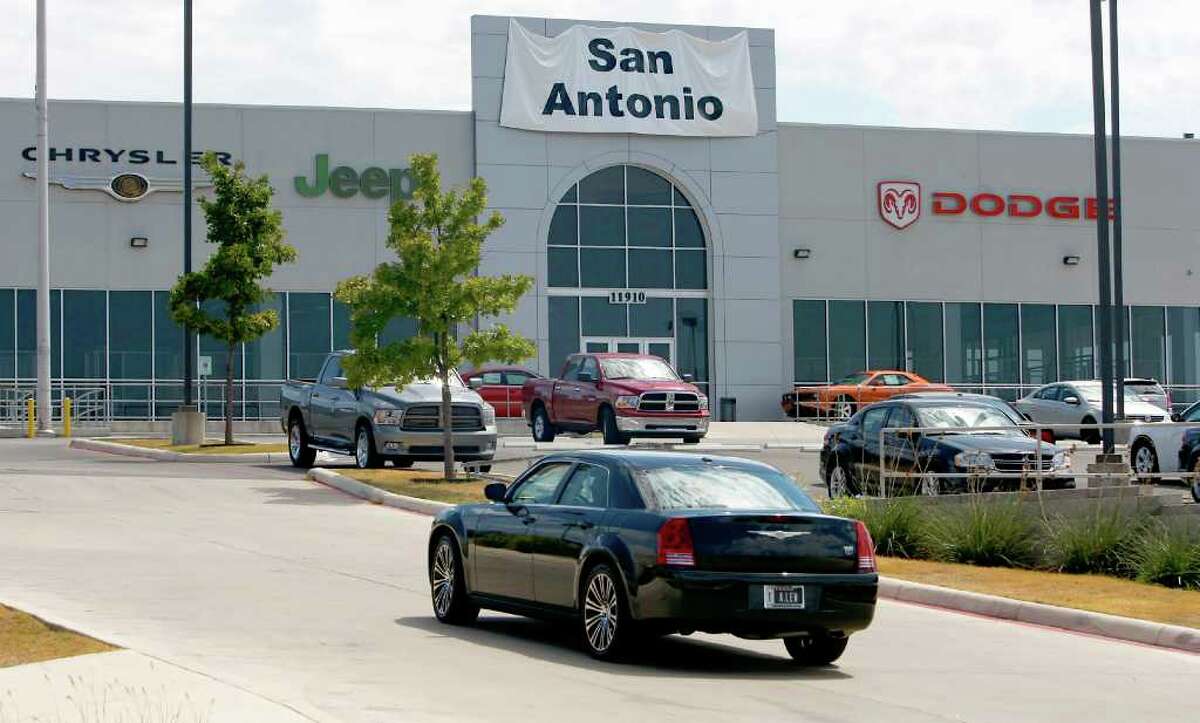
{"x":750,"y":252}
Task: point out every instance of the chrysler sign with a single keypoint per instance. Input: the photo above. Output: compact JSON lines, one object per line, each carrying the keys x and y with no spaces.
{"x":622,"y":80}
{"x":900,"y":204}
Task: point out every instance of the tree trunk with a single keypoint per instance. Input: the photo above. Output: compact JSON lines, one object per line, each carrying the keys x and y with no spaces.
{"x":229,"y":394}
{"x":447,"y":425}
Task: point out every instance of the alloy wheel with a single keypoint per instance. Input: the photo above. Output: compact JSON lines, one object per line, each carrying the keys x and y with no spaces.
{"x":929,"y":486}
{"x":1143,"y":460}
{"x":838,"y":484}
{"x":539,"y":426}
{"x":362,"y":450}
{"x":442,"y":578}
{"x":844,"y":409}
{"x":294,"y":440}
{"x":600,"y":612}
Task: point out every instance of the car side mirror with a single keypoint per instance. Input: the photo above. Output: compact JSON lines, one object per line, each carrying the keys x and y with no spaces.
{"x":689,"y":378}
{"x":495,"y":492}
{"x":585,"y":377}
{"x":1072,"y":400}
{"x":338,"y":383}
{"x":475,"y":383}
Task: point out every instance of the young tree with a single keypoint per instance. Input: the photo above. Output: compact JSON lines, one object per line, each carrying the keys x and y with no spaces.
{"x":249,"y":234}
{"x":434,"y":283}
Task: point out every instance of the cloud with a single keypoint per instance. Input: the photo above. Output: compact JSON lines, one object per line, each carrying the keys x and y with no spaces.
{"x":1018,"y":65}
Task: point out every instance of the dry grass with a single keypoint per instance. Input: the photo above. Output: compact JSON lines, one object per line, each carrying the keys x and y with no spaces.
{"x":206,"y":448}
{"x":422,"y":484}
{"x":26,"y":639}
{"x":1097,"y":593}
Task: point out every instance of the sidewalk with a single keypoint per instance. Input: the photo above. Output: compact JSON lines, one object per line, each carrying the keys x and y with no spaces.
{"x":721,"y":436}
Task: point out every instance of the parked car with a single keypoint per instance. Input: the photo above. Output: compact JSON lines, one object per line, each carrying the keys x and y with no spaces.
{"x":1166,"y":448}
{"x":1002,"y":406}
{"x":374,"y":425}
{"x":500,"y":386}
{"x":622,"y":395}
{"x":1078,"y":402}
{"x":627,"y":543}
{"x":954,"y":445}
{"x":845,"y":396}
{"x":1150,"y":391}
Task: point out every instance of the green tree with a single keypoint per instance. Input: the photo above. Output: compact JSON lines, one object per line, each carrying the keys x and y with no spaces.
{"x":438,"y":239}
{"x":249,"y":238}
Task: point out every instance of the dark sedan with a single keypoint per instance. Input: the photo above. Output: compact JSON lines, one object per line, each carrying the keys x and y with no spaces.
{"x":962,"y":445}
{"x":630,"y":544}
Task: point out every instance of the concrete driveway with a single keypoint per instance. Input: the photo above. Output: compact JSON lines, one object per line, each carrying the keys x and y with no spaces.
{"x":316,"y":604}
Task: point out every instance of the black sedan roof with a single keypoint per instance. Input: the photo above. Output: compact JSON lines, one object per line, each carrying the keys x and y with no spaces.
{"x":651,"y":459}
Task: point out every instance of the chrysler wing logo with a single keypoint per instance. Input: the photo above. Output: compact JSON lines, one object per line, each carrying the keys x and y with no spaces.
{"x":122,"y":186}
{"x":780,"y":534}
{"x":899,"y":203}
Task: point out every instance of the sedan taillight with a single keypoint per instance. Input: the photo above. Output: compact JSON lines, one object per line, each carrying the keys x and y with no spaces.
{"x":675,"y":547}
{"x":866,"y":548}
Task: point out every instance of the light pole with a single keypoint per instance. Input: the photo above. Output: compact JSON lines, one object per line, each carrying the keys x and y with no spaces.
{"x":188,"y":355}
{"x":44,"y":411}
{"x":1118,"y":255}
{"x":1102,"y":247}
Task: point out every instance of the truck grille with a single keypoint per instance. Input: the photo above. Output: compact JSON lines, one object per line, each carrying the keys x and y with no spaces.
{"x":1020,"y":462}
{"x":669,"y":402}
{"x":427,"y":418}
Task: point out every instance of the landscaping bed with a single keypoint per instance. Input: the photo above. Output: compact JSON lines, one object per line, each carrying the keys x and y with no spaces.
{"x":206,"y":448}
{"x":27,"y":639}
{"x":421,"y":484}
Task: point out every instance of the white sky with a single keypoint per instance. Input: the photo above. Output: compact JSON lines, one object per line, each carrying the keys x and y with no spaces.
{"x":997,"y":64}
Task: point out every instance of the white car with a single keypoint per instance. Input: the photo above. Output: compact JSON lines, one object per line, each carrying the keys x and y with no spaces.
{"x":1078,"y":402}
{"x":1160,"y":447}
{"x":1150,"y":391}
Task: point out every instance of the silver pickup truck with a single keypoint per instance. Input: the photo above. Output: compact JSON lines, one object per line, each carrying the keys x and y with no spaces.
{"x":374,"y":425}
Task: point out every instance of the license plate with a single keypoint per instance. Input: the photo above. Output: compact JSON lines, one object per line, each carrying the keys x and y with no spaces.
{"x":783,"y":597}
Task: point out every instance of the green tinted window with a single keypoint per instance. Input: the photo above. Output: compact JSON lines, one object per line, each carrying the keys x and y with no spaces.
{"x":925,"y":339}
{"x":1039,"y":357}
{"x":647,"y":188}
{"x":690,"y":270}
{"x":168,"y":341}
{"x":602,"y":225}
{"x":654,"y":318}
{"x":964,"y":344}
{"x":604,"y":186}
{"x":309,"y":321}
{"x":265,"y":357}
{"x":808,"y":340}
{"x":602,"y":268}
{"x":650,"y":227}
{"x":563,"y":266}
{"x":564,"y":229}
{"x":650,"y":269}
{"x":8,"y":334}
{"x":600,"y":318}
{"x":130,"y":329}
{"x":688,"y":231}
{"x":564,"y":330}
{"x":847,"y":338}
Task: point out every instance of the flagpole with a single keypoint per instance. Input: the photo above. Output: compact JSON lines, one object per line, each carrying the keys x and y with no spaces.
{"x":44,"y":411}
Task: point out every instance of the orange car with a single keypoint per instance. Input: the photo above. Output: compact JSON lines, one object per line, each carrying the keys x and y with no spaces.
{"x":842,"y":398}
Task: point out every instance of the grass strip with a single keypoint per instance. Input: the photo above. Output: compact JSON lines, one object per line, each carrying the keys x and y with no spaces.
{"x":206,"y":448}
{"x":27,"y":639}
{"x":421,"y":484}
{"x":1097,"y":593}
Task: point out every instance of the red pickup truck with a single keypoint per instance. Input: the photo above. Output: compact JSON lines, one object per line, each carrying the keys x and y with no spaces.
{"x":622,"y":395}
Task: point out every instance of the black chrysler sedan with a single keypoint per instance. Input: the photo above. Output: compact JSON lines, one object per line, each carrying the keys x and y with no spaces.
{"x":627,"y":544}
{"x":961,"y":445}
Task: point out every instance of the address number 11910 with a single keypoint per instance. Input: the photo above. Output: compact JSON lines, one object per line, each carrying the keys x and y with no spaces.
{"x":626,"y":296}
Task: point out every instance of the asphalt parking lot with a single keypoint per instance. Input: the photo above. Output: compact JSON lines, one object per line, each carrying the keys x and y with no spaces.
{"x":316,"y":605}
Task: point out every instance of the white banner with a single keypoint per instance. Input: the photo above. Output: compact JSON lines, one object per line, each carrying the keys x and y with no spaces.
{"x":621,"y":80}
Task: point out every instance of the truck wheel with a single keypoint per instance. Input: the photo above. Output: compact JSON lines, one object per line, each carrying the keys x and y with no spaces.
{"x":608,"y":424}
{"x":543,"y":430}
{"x":301,"y":454}
{"x":815,"y":649}
{"x":365,"y":456}
{"x":1091,"y":436}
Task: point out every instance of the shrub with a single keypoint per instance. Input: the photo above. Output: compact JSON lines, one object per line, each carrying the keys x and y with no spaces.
{"x":990,"y":534}
{"x":1090,"y":543}
{"x":897,"y":527}
{"x":1164,"y":554}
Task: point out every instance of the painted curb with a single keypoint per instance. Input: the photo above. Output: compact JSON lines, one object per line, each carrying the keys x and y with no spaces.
{"x":1175,"y":637}
{"x":166,"y":455}
{"x":362,"y":490}
{"x":1102,"y":625}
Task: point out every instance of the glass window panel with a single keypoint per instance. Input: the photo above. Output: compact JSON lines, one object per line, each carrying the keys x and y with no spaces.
{"x":571,"y":196}
{"x":1039,"y":363}
{"x":964,"y":347}
{"x":130,"y":355}
{"x":651,"y":269}
{"x":680,"y":199}
{"x":1001,"y":342}
{"x":601,"y":226}
{"x":8,"y":333}
{"x":564,"y":330}
{"x":886,"y":328}
{"x":398,"y":328}
{"x":27,"y":333}
{"x":808,"y":341}
{"x":847,"y":338}
{"x":688,"y":231}
{"x":1148,"y":334}
{"x":656,"y":317}
{"x":168,"y":397}
{"x":691,"y":339}
{"x":925,"y":351}
{"x":1076,"y":343}
{"x":647,"y":188}
{"x":168,"y":342}
{"x":650,"y":227}
{"x":85,"y":316}
{"x":308,"y":323}
{"x":564,"y":227}
{"x":660,"y":349}
{"x":132,"y":401}
{"x":602,"y":268}
{"x":1183,"y":350}
{"x":218,"y":350}
{"x":1116,"y":335}
{"x":265,"y":355}
{"x":564,"y":266}
{"x":690,"y":271}
{"x":604,"y":186}
{"x":341,"y":325}
{"x":600,"y":318}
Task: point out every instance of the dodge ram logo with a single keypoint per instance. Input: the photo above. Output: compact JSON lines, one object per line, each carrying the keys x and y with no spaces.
{"x":899,"y":203}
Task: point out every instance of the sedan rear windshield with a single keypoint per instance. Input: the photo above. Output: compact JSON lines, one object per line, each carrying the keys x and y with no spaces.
{"x":690,"y":487}
{"x":966,"y":417}
{"x":633,"y":368}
